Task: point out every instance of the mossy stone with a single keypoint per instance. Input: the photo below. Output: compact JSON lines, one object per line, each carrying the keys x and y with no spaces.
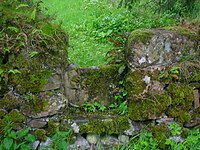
{"x":16,"y":117}
{"x":140,"y":35}
{"x":2,"y":113}
{"x":52,"y":127}
{"x":161,"y":133}
{"x":97,"y":82}
{"x":33,"y":104}
{"x":110,"y":126}
{"x":182,"y":31}
{"x":134,"y":83}
{"x":182,"y":98}
{"x":148,"y":107}
{"x":40,"y":134}
{"x":8,"y":103}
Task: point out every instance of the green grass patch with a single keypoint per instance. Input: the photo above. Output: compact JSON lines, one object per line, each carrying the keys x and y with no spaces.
{"x":92,"y":23}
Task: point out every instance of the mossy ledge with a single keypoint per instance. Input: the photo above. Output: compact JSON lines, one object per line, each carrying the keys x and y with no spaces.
{"x":106,"y":126}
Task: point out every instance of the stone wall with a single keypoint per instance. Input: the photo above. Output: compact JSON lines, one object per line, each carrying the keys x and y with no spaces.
{"x":159,"y":86}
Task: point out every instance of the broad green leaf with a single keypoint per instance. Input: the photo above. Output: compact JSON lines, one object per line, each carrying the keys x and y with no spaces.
{"x":23,"y":132}
{"x":30,"y":138}
{"x":1,"y":71}
{"x":25,"y":147}
{"x":8,"y":142}
{"x":12,"y":134}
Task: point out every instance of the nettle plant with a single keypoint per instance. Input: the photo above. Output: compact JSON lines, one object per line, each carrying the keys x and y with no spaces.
{"x":12,"y":140}
{"x":120,"y":103}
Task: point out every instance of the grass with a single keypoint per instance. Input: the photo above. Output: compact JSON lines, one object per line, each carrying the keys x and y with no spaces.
{"x":84,"y":50}
{"x":90,"y":23}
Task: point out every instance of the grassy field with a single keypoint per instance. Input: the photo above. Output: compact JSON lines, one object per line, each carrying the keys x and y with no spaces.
{"x":84,"y":49}
{"x":91,"y":23}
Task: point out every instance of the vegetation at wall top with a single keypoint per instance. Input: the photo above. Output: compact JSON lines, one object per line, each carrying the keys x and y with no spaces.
{"x":98,"y":28}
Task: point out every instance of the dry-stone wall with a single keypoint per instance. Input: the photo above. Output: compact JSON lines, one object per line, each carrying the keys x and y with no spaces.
{"x":161,"y":83}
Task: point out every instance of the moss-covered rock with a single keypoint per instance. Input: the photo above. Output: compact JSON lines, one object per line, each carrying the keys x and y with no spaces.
{"x":8,"y":103}
{"x":33,"y":104}
{"x":52,"y":127}
{"x":106,"y":126}
{"x":3,"y":112}
{"x":140,"y":35}
{"x":16,"y":117}
{"x":160,"y":47}
{"x":161,"y":133}
{"x":134,"y":83}
{"x":182,"y":98}
{"x":37,"y":48}
{"x":89,"y":84}
{"x":182,"y":31}
{"x":40,"y":134}
{"x":148,"y":107}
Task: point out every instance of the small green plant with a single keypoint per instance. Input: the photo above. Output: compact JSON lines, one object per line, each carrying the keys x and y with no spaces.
{"x":171,"y":73}
{"x":121,"y":94}
{"x":143,"y":140}
{"x":94,"y":107}
{"x":1,"y":73}
{"x":123,"y":108}
{"x":61,"y":140}
{"x":192,"y":141}
{"x":113,"y":106}
{"x":175,"y":129}
{"x":13,"y":140}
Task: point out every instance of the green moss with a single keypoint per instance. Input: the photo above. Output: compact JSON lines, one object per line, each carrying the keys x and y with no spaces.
{"x":31,"y":82}
{"x":161,"y":133}
{"x":1,"y":127}
{"x":39,"y":36}
{"x":113,"y":126}
{"x":33,"y":104}
{"x":134,"y":83}
{"x":182,"y":101}
{"x":52,"y":127}
{"x":149,"y":107}
{"x":8,"y":103}
{"x":15,"y":116}
{"x":40,"y":134}
{"x":140,"y":35}
{"x":2,"y":113}
{"x":98,"y":82}
{"x":182,"y":31}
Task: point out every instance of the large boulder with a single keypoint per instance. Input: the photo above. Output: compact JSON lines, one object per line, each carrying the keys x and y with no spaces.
{"x":151,"y":47}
